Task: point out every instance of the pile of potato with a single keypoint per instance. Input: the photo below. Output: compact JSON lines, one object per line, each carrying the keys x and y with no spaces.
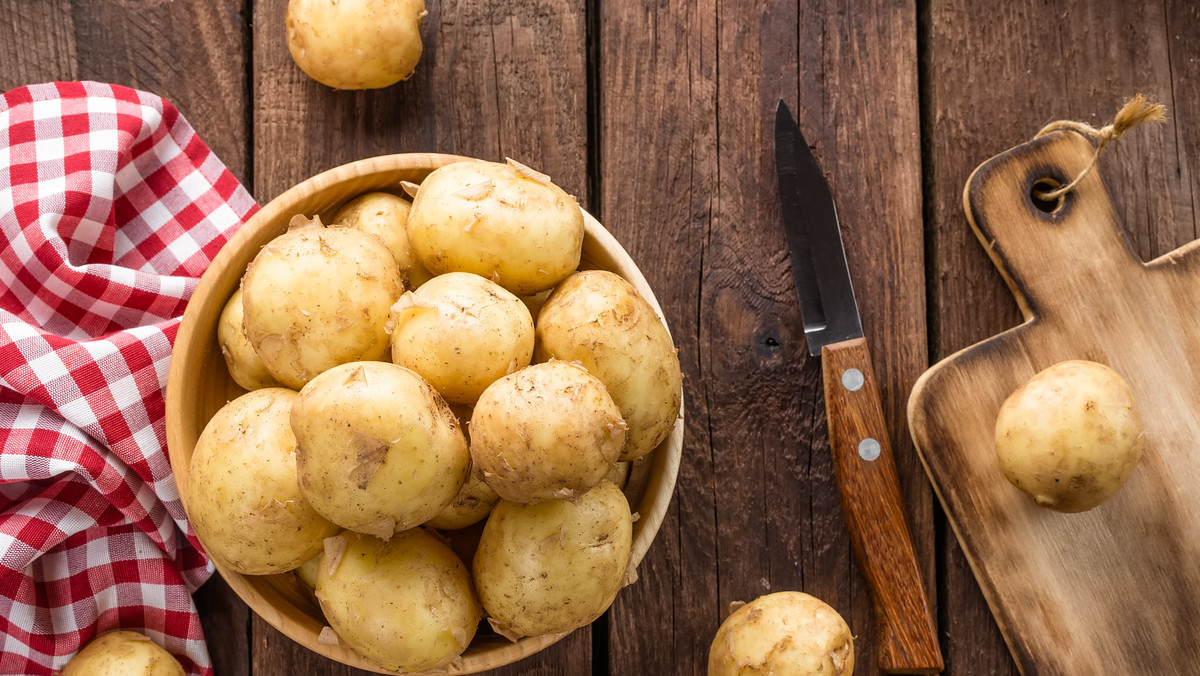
{"x":414,"y":370}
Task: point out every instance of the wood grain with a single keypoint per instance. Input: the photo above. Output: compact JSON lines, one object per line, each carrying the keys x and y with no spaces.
{"x":1049,"y":577}
{"x":1030,"y":63}
{"x":687,"y":180}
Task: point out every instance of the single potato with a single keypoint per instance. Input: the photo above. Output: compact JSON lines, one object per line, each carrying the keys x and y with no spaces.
{"x":1070,"y":436}
{"x":505,"y":222}
{"x":472,"y":505}
{"x":245,"y":366}
{"x":785,"y":634}
{"x":599,"y":320}
{"x":317,"y":297}
{"x":386,"y":216}
{"x":378,"y":451}
{"x":355,"y":44}
{"x":461,"y":332}
{"x":406,"y":603}
{"x":123,"y":653}
{"x":546,"y":432}
{"x":241,"y":494}
{"x":553,"y":566}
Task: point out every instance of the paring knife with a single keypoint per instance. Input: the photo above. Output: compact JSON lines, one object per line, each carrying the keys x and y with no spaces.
{"x":862,"y":454}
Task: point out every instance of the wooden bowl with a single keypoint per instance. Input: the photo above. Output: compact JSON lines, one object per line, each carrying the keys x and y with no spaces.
{"x":199,"y":384}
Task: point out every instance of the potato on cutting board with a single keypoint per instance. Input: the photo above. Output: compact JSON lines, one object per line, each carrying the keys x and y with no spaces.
{"x":1071,"y":436}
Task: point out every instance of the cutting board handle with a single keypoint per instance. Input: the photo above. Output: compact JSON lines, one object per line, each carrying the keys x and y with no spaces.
{"x":1036,"y":245}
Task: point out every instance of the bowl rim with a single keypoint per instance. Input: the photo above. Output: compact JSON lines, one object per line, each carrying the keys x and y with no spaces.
{"x":263,"y":598}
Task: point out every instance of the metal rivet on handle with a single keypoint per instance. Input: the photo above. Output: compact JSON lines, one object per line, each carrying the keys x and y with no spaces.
{"x":869,"y":449}
{"x":852,"y":379}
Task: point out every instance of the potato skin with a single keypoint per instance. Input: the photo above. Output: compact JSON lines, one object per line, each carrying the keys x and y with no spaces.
{"x":355,"y":44}
{"x":1070,"y":436}
{"x":495,"y":221}
{"x":378,"y":450}
{"x":386,"y":216}
{"x":546,"y":432}
{"x":553,"y":566}
{"x":785,"y":634}
{"x":123,"y":653}
{"x":242,"y":496}
{"x":598,"y":319}
{"x":317,"y":297}
{"x":461,"y":332}
{"x":245,"y":366}
{"x":407,"y":603}
{"x":472,"y":504}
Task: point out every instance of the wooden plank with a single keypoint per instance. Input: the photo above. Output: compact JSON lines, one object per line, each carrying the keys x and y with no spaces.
{"x":201,"y":70}
{"x":757,"y":509}
{"x":1027,"y":68}
{"x":495,"y":80}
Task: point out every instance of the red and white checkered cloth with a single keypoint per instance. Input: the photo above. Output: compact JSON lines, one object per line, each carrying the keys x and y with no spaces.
{"x":110,"y":209}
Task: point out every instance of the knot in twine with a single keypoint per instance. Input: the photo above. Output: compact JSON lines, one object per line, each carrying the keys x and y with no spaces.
{"x":1135,"y":111}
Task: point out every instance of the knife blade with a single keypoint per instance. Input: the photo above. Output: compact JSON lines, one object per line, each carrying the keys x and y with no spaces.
{"x":863,"y":463}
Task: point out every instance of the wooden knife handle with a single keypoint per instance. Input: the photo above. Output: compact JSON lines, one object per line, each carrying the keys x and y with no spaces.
{"x":874,"y":511}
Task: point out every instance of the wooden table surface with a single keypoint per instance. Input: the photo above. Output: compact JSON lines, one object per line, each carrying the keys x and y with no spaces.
{"x":658,"y":115}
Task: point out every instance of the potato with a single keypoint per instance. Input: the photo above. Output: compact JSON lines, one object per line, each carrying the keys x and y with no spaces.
{"x":598,"y":319}
{"x":122,"y":653}
{"x":619,"y":474}
{"x":406,"y":603}
{"x":317,"y":297}
{"x":504,"y":222}
{"x":472,"y":504}
{"x":786,"y":634}
{"x":547,"y":432}
{"x":307,"y":572}
{"x":553,"y":566}
{"x":245,"y":366}
{"x":386,"y":216}
{"x":461,"y":333}
{"x":378,"y":451}
{"x":1070,"y":436}
{"x":242,"y":496}
{"x":355,"y":44}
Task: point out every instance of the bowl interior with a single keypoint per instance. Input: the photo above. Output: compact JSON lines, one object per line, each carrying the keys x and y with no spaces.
{"x":198,"y":384}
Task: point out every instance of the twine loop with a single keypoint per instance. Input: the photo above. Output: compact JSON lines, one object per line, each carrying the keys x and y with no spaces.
{"x":1135,"y":111}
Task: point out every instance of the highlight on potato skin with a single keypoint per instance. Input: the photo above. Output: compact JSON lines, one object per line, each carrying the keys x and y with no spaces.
{"x":1071,"y":436}
{"x":355,"y":44}
{"x":787,"y":633}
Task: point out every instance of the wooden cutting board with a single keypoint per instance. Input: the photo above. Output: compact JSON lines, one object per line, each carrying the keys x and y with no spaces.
{"x":1115,"y":590}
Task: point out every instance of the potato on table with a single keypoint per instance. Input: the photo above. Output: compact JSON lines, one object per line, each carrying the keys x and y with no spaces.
{"x":461,"y":332}
{"x":242,"y":495}
{"x":123,"y":653}
{"x":546,"y":432}
{"x":552,"y":567}
{"x":317,"y":297}
{"x":505,"y":222}
{"x":378,"y":450}
{"x":599,"y":320}
{"x":785,"y":634}
{"x":355,"y":44}
{"x":406,"y":603}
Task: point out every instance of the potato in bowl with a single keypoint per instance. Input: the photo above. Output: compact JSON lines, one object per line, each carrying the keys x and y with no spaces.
{"x":199,"y":384}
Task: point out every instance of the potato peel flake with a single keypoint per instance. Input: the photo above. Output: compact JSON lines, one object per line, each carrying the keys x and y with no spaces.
{"x":327,"y":636}
{"x":526,"y":172}
{"x":410,"y":188}
{"x":335,"y":549}
{"x":631,"y":576}
{"x":301,"y":222}
{"x":369,"y":453}
{"x":502,"y":628}
{"x":476,"y":191}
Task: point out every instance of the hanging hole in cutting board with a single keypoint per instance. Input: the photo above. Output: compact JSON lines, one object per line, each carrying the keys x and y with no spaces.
{"x":1044,"y":205}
